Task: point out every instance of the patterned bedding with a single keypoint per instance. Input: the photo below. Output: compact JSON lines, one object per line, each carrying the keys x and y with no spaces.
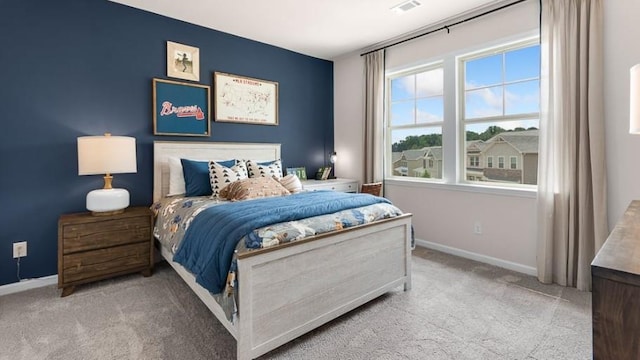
{"x":175,"y":215}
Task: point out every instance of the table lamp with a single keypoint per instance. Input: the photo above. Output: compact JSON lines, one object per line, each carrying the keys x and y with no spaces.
{"x":107,"y":155}
{"x":333,"y":157}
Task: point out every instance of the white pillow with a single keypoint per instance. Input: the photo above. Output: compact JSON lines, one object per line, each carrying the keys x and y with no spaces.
{"x":176,"y":177}
{"x":265,"y":168}
{"x":221,"y":176}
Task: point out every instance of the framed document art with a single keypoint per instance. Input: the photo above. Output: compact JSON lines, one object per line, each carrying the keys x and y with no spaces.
{"x":181,"y":108}
{"x":245,"y":100}
{"x":183,"y":61}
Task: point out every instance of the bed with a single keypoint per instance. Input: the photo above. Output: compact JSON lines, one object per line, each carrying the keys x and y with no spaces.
{"x":339,"y":271}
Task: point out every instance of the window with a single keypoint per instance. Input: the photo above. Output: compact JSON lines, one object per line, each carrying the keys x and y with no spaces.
{"x":491,"y":96}
{"x":500,"y":104}
{"x":414,"y":121}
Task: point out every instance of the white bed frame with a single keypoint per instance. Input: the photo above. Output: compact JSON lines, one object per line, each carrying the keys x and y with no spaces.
{"x":334,"y":274}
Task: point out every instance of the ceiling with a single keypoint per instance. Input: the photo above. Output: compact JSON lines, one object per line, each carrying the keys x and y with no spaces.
{"x":321,"y":28}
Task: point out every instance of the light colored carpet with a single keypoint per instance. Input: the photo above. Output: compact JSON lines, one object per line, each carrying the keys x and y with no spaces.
{"x":457,"y":309}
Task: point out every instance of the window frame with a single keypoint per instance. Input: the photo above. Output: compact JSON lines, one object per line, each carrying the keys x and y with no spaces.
{"x":462,"y":122}
{"x":513,"y":165}
{"x":453,"y":176}
{"x":388,"y":128}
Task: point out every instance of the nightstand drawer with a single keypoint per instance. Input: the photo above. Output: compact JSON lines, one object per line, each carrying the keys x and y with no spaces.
{"x":103,"y":262}
{"x":348,"y":187}
{"x":341,"y":185}
{"x":106,"y":233}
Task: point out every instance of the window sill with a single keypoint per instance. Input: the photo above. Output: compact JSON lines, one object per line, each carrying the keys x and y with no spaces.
{"x":531,"y":193}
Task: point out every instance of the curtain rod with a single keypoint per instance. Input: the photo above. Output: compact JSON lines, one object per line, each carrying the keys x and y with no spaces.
{"x":445,"y":27}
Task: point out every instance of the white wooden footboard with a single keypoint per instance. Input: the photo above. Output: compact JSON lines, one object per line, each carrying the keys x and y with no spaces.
{"x":289,"y":291}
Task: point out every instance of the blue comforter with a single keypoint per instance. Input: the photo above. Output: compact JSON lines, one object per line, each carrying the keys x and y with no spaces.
{"x":209,"y":242}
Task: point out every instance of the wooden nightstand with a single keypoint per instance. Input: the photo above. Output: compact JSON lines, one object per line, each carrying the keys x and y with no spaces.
{"x":92,"y":248}
{"x":344,"y":185}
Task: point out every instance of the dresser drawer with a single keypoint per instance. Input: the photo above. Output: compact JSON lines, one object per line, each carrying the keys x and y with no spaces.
{"x":106,"y":233}
{"x":105,"y":262}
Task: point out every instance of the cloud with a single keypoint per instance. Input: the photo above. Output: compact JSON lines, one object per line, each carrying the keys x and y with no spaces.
{"x":427,"y":117}
{"x":428,"y":83}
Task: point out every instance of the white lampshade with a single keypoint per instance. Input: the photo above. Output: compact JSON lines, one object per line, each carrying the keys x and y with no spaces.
{"x":107,"y":155}
{"x":634,"y":100}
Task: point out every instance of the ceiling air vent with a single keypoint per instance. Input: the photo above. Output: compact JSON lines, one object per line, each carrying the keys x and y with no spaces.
{"x":405,"y":6}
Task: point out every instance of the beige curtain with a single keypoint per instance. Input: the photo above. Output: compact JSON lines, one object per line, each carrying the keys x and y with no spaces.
{"x":373,"y":116}
{"x":572,"y":204}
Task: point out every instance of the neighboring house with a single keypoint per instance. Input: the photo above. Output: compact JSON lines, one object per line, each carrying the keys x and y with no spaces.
{"x":510,"y":157}
{"x":507,"y":157}
{"x":408,"y":161}
{"x":475,"y":160}
{"x":425,"y":162}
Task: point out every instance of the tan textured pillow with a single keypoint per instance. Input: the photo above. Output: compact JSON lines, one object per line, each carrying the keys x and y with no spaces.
{"x":291,"y":183}
{"x":253,"y":188}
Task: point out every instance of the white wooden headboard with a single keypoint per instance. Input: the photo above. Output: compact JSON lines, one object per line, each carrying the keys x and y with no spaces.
{"x":162,"y":150}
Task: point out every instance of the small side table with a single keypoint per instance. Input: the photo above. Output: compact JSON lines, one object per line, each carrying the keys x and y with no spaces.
{"x":92,"y":248}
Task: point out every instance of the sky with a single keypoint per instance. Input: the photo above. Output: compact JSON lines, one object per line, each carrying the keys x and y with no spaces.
{"x":485,"y":93}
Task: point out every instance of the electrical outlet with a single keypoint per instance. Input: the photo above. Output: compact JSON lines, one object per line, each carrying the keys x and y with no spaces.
{"x":19,"y":249}
{"x":477,"y":228}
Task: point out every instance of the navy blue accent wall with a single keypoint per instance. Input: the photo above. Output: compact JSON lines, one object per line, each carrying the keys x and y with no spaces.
{"x":70,"y":68}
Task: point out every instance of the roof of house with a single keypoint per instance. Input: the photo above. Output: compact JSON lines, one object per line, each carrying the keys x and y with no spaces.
{"x":435,"y":151}
{"x":414,"y":154}
{"x":524,"y":141}
{"x":476,"y":145}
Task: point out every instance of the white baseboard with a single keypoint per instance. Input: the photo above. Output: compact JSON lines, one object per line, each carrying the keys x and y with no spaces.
{"x":529,"y":270}
{"x":28,"y":284}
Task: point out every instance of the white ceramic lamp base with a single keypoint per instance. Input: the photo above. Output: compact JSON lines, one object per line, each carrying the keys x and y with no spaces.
{"x":107,"y":201}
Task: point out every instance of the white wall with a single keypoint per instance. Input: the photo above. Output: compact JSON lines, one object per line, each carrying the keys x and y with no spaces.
{"x":446,"y":216}
{"x":621,"y":51}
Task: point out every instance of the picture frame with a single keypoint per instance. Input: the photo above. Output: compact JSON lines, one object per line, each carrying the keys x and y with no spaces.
{"x":183,"y":61}
{"x":323,"y":173}
{"x":181,"y":108}
{"x":242,"y":99}
{"x":300,"y":172}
